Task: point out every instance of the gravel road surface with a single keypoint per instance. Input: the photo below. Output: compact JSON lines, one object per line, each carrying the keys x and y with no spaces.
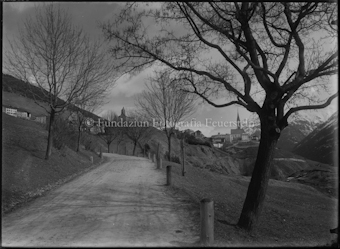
{"x":123,"y":202}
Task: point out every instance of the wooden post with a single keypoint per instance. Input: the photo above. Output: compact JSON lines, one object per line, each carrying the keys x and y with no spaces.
{"x":207,"y":221}
{"x":101,"y":153}
{"x":160,"y":163}
{"x":183,"y":157}
{"x":168,"y":175}
{"x":91,"y":159}
{"x":154,"y":158}
{"x":157,"y":157}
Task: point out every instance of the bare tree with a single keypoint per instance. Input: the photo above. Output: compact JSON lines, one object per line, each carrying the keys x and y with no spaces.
{"x":111,"y":132}
{"x":272,"y":58}
{"x":80,"y":114}
{"x":136,"y":127}
{"x":58,"y":58}
{"x":166,"y":103}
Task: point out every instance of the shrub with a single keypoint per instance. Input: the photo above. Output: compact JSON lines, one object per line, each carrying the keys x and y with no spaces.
{"x":63,"y":134}
{"x":173,"y":158}
{"x":89,"y":143}
{"x":194,"y":141}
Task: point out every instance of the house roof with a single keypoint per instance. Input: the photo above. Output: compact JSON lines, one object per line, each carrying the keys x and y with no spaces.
{"x":218,"y":136}
{"x":237,"y":131}
{"x":22,"y":110}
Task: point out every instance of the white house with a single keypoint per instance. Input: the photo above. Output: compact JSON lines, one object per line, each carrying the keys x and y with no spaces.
{"x":245,"y":137}
{"x":219,"y":139}
{"x":16,"y":112}
{"x":21,"y":113}
{"x":9,"y":110}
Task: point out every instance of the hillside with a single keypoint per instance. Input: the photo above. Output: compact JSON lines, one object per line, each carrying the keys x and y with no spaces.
{"x":293,"y":214}
{"x":237,"y":160}
{"x":322,"y":144}
{"x":25,"y":172}
{"x":19,"y":94}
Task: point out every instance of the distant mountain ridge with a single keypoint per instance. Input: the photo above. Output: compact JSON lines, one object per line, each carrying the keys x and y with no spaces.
{"x":297,"y":129}
{"x":322,"y":144}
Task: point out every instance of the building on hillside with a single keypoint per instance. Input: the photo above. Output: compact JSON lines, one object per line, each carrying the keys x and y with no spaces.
{"x":9,"y":110}
{"x":245,"y":137}
{"x":16,"y":112}
{"x":41,"y":119}
{"x":198,"y":134}
{"x":22,"y":113}
{"x":220,"y":139}
{"x":122,"y":115}
{"x":239,"y":134}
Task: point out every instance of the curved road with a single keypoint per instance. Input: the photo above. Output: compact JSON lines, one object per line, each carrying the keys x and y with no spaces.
{"x":123,"y":202}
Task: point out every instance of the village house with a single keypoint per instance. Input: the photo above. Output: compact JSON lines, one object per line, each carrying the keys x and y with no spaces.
{"x":198,"y":134}
{"x":235,"y":135}
{"x":219,"y":139}
{"x":238,"y":134}
{"x":41,"y":119}
{"x":9,"y":110}
{"x":16,"y":112}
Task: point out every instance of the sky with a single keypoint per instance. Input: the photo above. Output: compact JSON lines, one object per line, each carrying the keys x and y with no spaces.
{"x":88,"y":15}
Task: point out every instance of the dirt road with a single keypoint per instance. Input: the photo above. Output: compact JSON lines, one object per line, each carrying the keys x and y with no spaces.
{"x":123,"y":202}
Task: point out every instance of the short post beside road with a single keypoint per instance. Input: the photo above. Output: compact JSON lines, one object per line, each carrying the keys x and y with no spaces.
{"x":160,"y":163}
{"x":153,"y":158}
{"x":207,"y":221}
{"x":158,"y":157}
{"x":183,"y":157}
{"x":168,"y":175}
{"x":100,"y":153}
{"x":91,"y":159}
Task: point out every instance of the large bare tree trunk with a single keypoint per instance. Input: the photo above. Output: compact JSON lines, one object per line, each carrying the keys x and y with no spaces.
{"x":259,"y":181}
{"x":50,"y":135}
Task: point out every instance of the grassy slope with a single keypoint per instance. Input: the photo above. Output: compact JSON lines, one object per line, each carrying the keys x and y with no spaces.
{"x":19,"y":101}
{"x":239,"y":160}
{"x":293,"y":215}
{"x":25,"y":172}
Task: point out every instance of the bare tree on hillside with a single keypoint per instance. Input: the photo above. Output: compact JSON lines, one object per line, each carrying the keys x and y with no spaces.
{"x":58,"y":58}
{"x":165,"y":103}
{"x":272,"y":58}
{"x":111,"y":132}
{"x":136,"y":128}
{"x":85,"y":104}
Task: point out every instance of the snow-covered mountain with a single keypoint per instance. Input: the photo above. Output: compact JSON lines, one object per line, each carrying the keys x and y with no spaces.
{"x":299,"y":126}
{"x":322,"y":144}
